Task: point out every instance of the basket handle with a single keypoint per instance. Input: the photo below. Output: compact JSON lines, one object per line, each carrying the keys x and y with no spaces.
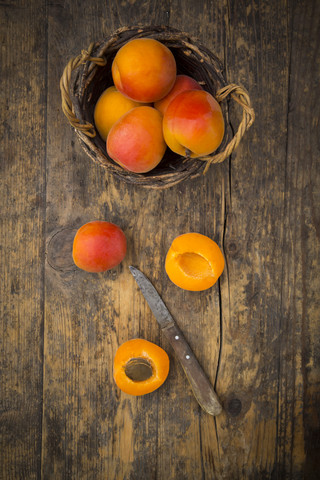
{"x":241,"y":96}
{"x":67,"y":106}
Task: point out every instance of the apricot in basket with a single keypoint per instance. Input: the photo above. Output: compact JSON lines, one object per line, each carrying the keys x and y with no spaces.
{"x":182,"y":83}
{"x":144,"y":70}
{"x":110,"y":106}
{"x":136,"y":140}
{"x":193,"y":124}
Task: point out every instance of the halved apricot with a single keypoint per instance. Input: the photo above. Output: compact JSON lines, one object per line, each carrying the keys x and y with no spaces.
{"x":194,"y":262}
{"x":140,"y":366}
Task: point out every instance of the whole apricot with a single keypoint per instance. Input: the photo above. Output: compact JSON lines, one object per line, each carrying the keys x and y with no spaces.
{"x":136,"y":140}
{"x":110,"y":106}
{"x":193,"y":124}
{"x":99,"y":246}
{"x":182,"y":83}
{"x":144,"y":70}
{"x":194,"y":262}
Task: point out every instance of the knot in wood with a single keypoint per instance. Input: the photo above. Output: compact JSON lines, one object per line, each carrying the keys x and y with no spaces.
{"x":234,"y":407}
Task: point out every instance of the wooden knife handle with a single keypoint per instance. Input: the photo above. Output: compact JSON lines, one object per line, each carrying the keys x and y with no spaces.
{"x":202,"y":388}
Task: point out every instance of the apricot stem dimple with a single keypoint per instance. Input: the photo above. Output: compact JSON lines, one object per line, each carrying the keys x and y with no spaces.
{"x":194,"y":265}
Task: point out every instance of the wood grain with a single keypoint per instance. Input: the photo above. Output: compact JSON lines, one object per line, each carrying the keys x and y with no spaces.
{"x":299,"y":421}
{"x":253,"y":240}
{"x":23,"y":151}
{"x":255,"y":332}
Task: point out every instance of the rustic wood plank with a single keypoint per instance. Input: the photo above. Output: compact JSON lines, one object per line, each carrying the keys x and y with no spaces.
{"x":299,"y":392}
{"x":131,"y":12}
{"x":23,"y":152}
{"x":75,"y":421}
{"x":253,"y":240}
{"x":190,"y":442}
{"x":255,"y":332}
{"x":261,"y":337}
{"x":90,"y":427}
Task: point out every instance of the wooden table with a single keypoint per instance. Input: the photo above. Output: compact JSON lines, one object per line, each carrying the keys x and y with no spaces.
{"x":256,"y":332}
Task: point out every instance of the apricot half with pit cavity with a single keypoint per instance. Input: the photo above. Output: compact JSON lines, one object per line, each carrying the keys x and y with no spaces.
{"x":140,"y":367}
{"x":194,"y":262}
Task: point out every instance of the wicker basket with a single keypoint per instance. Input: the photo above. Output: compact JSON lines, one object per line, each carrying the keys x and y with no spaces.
{"x":89,"y":74}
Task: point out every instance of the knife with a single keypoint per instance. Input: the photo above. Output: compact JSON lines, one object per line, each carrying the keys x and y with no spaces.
{"x":202,"y":388}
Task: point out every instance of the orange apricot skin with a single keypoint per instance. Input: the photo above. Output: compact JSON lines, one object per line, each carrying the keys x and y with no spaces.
{"x":144,"y":70}
{"x":193,"y":122}
{"x":136,"y":141}
{"x":136,"y":348}
{"x":111,"y":105}
{"x":182,"y":83}
{"x":194,"y":244}
{"x":99,"y":246}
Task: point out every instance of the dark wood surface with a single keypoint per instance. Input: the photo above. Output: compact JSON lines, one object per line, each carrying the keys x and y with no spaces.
{"x":255,"y":333}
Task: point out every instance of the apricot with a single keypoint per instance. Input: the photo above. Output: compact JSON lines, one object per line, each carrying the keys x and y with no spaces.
{"x":144,"y":70}
{"x":140,"y":367}
{"x":110,"y":106}
{"x":136,"y":140}
{"x":182,"y":83}
{"x":99,"y":246}
{"x":193,"y":124}
{"x":194,"y":262}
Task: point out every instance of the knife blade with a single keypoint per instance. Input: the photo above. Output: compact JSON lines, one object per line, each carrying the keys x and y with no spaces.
{"x":200,"y":384}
